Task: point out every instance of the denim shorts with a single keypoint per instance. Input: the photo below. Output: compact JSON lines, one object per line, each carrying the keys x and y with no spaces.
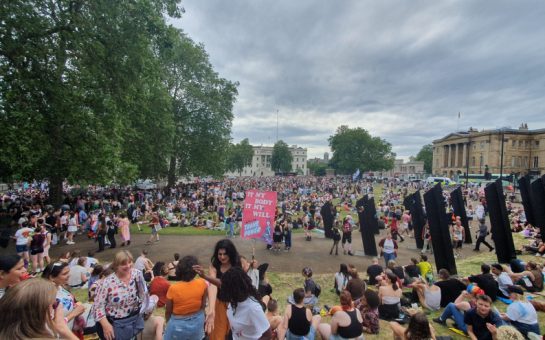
{"x":310,"y":336}
{"x":187,"y":327}
{"x":21,"y":248}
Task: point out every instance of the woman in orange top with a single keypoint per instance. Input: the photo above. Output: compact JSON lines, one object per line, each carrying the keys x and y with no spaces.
{"x":186,"y":300}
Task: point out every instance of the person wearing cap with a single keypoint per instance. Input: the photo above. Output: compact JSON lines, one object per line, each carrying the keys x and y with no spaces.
{"x":521,"y":314}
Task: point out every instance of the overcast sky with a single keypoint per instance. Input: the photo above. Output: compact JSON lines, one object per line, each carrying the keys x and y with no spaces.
{"x":400,"y":69}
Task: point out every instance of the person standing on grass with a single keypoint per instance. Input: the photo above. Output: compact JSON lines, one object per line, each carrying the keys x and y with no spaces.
{"x":458,"y":236}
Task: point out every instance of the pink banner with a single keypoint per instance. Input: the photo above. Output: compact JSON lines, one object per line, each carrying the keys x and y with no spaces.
{"x":258,"y":215}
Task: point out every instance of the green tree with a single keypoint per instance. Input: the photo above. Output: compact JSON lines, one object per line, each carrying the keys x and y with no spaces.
{"x":81,"y":96}
{"x":281,"y":157}
{"x":426,"y":155}
{"x":357,"y":149}
{"x":201,"y":108}
{"x":240,"y":155}
{"x":317,"y":169}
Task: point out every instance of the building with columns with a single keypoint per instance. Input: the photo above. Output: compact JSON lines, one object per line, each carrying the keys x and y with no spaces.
{"x":522,"y":152}
{"x":261,"y":162}
{"x":404,"y":170}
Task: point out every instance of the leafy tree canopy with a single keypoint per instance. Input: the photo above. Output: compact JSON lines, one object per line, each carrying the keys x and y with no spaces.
{"x":426,"y":155}
{"x":281,"y":157}
{"x":357,"y":149}
{"x":240,"y":155}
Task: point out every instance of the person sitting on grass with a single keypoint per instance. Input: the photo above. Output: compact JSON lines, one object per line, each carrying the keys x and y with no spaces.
{"x":480,"y":320}
{"x":429,"y":295}
{"x":426,"y":269}
{"x":368,"y":306}
{"x":486,"y":281}
{"x":419,"y":328}
{"x":345,"y":324}
{"x":390,"y":294}
{"x":298,"y":322}
{"x":450,"y":287}
{"x":310,"y":288}
{"x":531,"y":278}
{"x":455,"y":310}
{"x":521,"y":314}
{"x":275,"y":319}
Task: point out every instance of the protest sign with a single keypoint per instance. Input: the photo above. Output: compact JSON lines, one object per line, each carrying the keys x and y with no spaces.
{"x":258,"y":215}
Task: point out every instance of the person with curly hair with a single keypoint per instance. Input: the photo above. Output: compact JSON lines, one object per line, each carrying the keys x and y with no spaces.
{"x":246,"y":316}
{"x":224,"y":258}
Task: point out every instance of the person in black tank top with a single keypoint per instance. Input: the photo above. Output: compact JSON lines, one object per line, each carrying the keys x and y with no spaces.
{"x":298,"y":323}
{"x":298,"y":320}
{"x":352,"y":329}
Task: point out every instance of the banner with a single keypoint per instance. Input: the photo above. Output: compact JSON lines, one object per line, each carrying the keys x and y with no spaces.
{"x":258,"y":215}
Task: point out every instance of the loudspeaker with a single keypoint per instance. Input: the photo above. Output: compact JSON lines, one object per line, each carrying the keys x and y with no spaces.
{"x":538,"y":204}
{"x":525,"y":186}
{"x":439,"y":229}
{"x":501,"y":228}
{"x":457,"y":200}
{"x":413,"y":203}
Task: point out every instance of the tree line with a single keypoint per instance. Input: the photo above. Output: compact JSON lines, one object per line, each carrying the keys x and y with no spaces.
{"x":107,"y":92}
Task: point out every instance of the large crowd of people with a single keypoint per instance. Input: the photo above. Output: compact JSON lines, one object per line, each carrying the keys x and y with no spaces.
{"x":231,"y":297}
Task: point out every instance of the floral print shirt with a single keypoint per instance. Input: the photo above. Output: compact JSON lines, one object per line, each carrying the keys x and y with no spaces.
{"x":116,"y":300}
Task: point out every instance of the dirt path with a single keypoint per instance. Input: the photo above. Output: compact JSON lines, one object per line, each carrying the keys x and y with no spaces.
{"x":314,"y":253}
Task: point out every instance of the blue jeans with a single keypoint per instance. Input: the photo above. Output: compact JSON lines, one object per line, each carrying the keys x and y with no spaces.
{"x":452,"y":312}
{"x":231,"y":229}
{"x":525,"y":328}
{"x":188,"y":327}
{"x":310,"y":336}
{"x":388,"y":257}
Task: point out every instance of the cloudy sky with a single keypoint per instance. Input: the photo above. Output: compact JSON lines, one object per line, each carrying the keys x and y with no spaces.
{"x":400,"y":69}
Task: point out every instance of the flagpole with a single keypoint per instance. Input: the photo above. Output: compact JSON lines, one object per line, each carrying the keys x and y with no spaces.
{"x":458,"y":122}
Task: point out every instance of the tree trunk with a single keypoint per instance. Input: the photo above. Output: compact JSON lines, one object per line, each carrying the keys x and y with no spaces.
{"x":55,"y":191}
{"x":172,"y":173}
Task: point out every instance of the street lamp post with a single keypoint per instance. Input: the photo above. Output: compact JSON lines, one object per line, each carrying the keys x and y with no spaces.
{"x":501,"y":155}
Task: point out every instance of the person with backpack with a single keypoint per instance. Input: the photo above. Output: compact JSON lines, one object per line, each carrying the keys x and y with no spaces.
{"x":347,"y":235}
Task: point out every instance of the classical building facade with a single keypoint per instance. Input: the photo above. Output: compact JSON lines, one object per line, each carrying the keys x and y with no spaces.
{"x":522,"y":151}
{"x":404,"y":170}
{"x":261,"y":162}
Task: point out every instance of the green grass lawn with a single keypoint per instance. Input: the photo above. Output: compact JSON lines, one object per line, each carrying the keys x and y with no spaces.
{"x":284,"y":283}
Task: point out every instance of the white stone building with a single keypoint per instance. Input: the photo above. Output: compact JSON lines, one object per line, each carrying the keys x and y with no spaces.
{"x":261,"y":162}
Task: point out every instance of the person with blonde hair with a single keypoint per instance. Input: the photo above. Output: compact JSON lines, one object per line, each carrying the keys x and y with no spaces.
{"x":43,"y":316}
{"x":505,"y":332}
{"x":118,"y":300}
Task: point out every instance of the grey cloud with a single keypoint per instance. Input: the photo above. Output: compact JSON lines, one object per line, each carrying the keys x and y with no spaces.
{"x":401,"y":69}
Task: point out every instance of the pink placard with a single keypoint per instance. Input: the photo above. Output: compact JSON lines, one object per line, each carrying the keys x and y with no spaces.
{"x":258,"y":215}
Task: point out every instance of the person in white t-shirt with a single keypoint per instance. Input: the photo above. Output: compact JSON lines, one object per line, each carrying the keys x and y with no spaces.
{"x":79,"y":274}
{"x":22,"y":239}
{"x":245,"y":313}
{"x":521,"y":314}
